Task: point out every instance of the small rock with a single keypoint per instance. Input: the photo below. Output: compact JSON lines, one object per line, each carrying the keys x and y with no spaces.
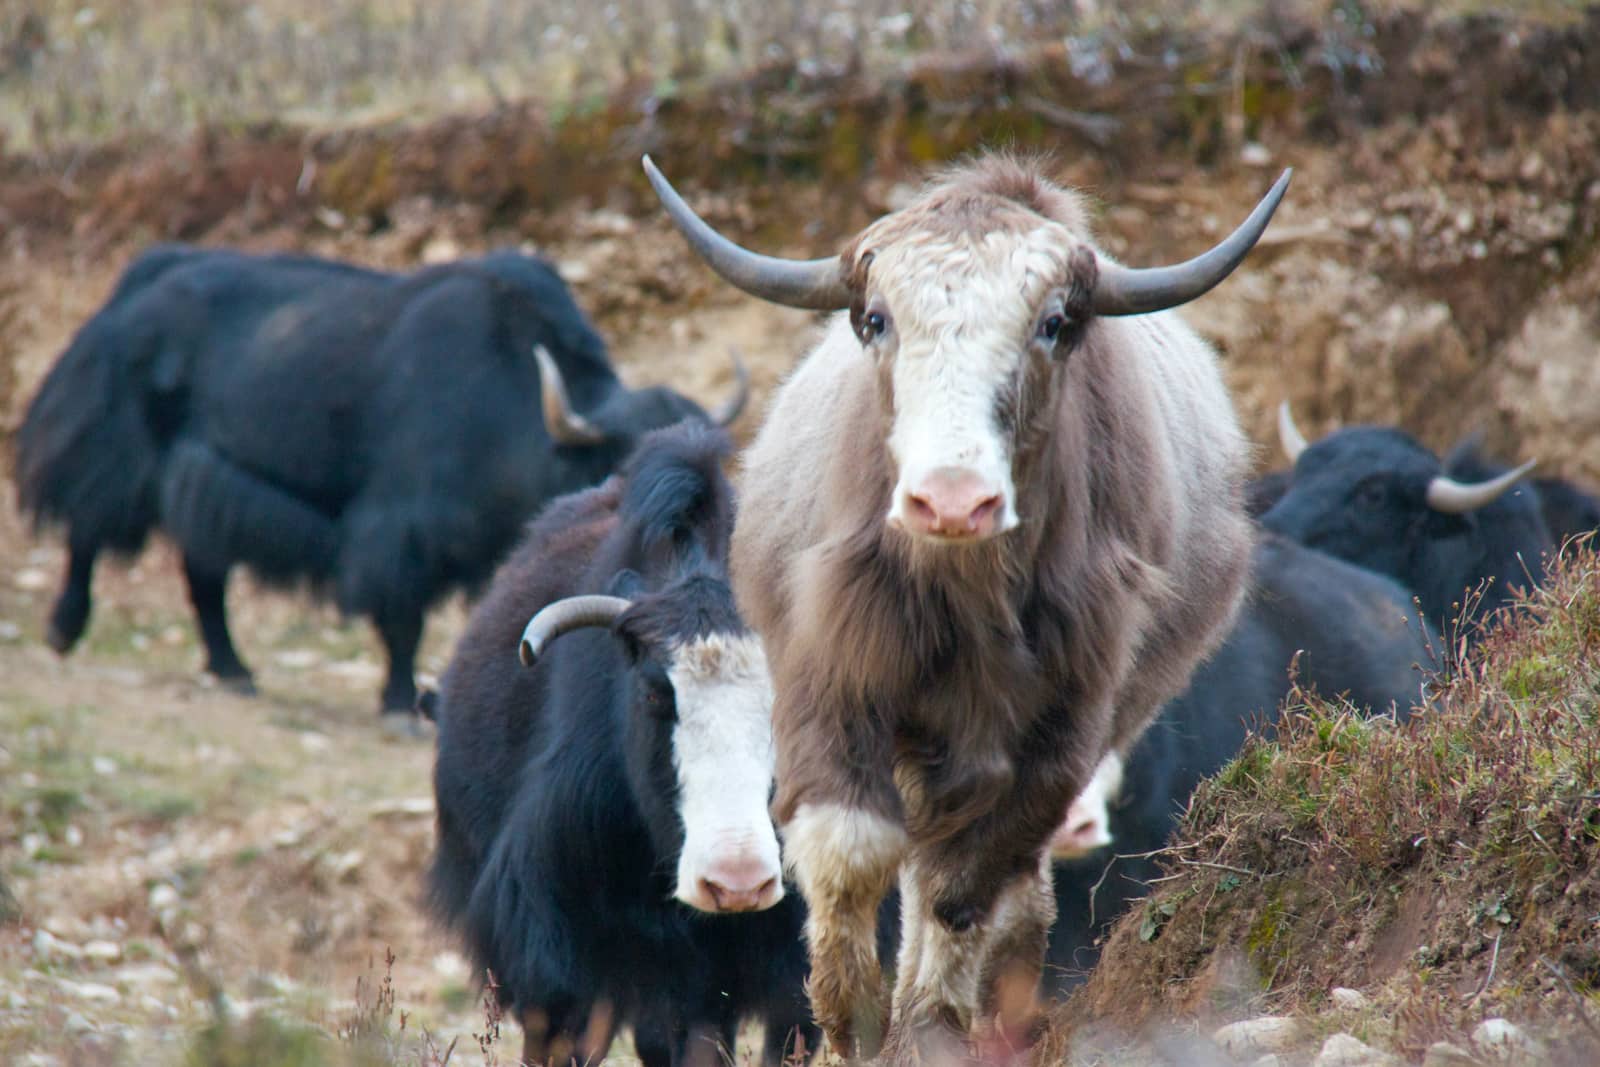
{"x":1254,"y":154}
{"x":48,"y":946}
{"x":1348,"y":999}
{"x":405,"y":806}
{"x":1502,"y":1039}
{"x":314,"y":742}
{"x":103,"y":951}
{"x":451,"y":965}
{"x":144,"y":975}
{"x":1268,"y":1033}
{"x":163,"y":896}
{"x":78,"y":1024}
{"x":342,"y":864}
{"x":1344,"y":1050}
{"x":31,"y":579}
{"x":95,"y":991}
{"x":33,"y":844}
{"x":72,"y":837}
{"x":104,"y":766}
{"x":297,"y":659}
{"x":9,"y":631}
{"x":440,"y":250}
{"x":1444,"y":1054}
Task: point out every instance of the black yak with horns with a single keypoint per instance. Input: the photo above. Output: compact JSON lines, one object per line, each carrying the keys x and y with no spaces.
{"x":381,"y":436}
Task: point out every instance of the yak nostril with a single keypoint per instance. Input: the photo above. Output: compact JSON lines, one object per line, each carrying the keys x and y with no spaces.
{"x":986,"y":510}
{"x":922,"y":511}
{"x":712,"y":890}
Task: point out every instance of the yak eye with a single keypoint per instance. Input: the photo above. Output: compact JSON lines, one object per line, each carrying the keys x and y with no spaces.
{"x":872,"y":325}
{"x":1052,"y":326}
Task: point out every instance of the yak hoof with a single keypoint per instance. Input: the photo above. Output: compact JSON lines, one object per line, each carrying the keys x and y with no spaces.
{"x":59,"y":641}
{"x":238,"y":684}
{"x":404,"y":726}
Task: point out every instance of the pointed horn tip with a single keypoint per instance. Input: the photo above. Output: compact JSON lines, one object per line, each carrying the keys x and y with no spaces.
{"x":528,"y":651}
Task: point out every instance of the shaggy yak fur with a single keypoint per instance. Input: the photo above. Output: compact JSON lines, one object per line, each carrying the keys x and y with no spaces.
{"x":560,"y":816}
{"x":376,"y":435}
{"x":938,"y":705}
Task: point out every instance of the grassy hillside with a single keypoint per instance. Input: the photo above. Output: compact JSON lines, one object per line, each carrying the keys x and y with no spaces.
{"x":1449,"y":868}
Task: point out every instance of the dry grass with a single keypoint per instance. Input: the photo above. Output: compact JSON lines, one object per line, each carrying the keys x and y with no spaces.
{"x":76,"y":71}
{"x":73,"y":71}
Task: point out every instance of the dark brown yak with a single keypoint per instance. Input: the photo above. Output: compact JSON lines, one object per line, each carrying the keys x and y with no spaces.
{"x":991,"y":523}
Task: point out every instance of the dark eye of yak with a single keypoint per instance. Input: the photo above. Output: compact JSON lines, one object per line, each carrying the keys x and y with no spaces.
{"x":872,"y":325}
{"x":1052,"y":326}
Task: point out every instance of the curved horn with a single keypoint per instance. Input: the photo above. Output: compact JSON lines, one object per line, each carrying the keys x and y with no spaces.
{"x":816,"y":284}
{"x":565,"y":426}
{"x":730,"y":409}
{"x":1453,"y":497}
{"x":1289,"y":435}
{"x":1135,"y":291}
{"x":573,"y":613}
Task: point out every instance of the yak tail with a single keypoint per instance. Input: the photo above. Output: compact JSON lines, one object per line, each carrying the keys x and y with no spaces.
{"x":220,"y":514}
{"x":85,"y":455}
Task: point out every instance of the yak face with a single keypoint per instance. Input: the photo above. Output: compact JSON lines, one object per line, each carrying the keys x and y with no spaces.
{"x":699,"y":743}
{"x":970,"y":312}
{"x":970,"y":299}
{"x":1360,"y":494}
{"x":1375,"y":497}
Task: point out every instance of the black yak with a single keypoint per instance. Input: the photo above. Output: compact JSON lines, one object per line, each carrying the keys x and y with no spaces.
{"x":380,"y":436}
{"x":604,"y":844}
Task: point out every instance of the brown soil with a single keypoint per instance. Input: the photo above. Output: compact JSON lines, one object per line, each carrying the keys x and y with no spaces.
{"x":1436,"y":264}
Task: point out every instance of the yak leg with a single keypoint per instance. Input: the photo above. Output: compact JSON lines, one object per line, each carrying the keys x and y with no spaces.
{"x":1008,"y":983}
{"x":563,"y":1032}
{"x":790,"y":1040}
{"x":71,"y":613}
{"x":207,"y":593}
{"x":844,"y":859}
{"x":401,"y":632}
{"x":983,"y":904}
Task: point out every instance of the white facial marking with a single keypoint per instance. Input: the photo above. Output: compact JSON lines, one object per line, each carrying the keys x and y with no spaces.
{"x":722,"y":750}
{"x":1088,"y":822}
{"x":963,"y":312}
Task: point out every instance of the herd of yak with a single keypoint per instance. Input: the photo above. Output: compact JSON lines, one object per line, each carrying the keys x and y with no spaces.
{"x":994,"y":595}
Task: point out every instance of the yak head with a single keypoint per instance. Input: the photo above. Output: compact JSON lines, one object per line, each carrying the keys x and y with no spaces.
{"x":1376,"y":497}
{"x":970,"y":301}
{"x":696,"y":735}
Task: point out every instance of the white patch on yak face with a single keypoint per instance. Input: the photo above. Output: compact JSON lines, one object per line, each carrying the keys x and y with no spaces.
{"x":1087,"y":826}
{"x":961,"y":319}
{"x":723,"y":753}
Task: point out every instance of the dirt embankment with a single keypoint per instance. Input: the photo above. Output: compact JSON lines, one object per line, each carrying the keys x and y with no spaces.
{"x":1436,"y":263}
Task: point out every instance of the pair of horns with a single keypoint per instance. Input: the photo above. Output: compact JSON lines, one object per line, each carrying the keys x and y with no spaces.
{"x":819,"y":284}
{"x":1444,"y":494}
{"x":567,"y":427}
{"x":573,"y":613}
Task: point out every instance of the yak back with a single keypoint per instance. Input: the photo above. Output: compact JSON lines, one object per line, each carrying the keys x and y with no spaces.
{"x":377,"y":430}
